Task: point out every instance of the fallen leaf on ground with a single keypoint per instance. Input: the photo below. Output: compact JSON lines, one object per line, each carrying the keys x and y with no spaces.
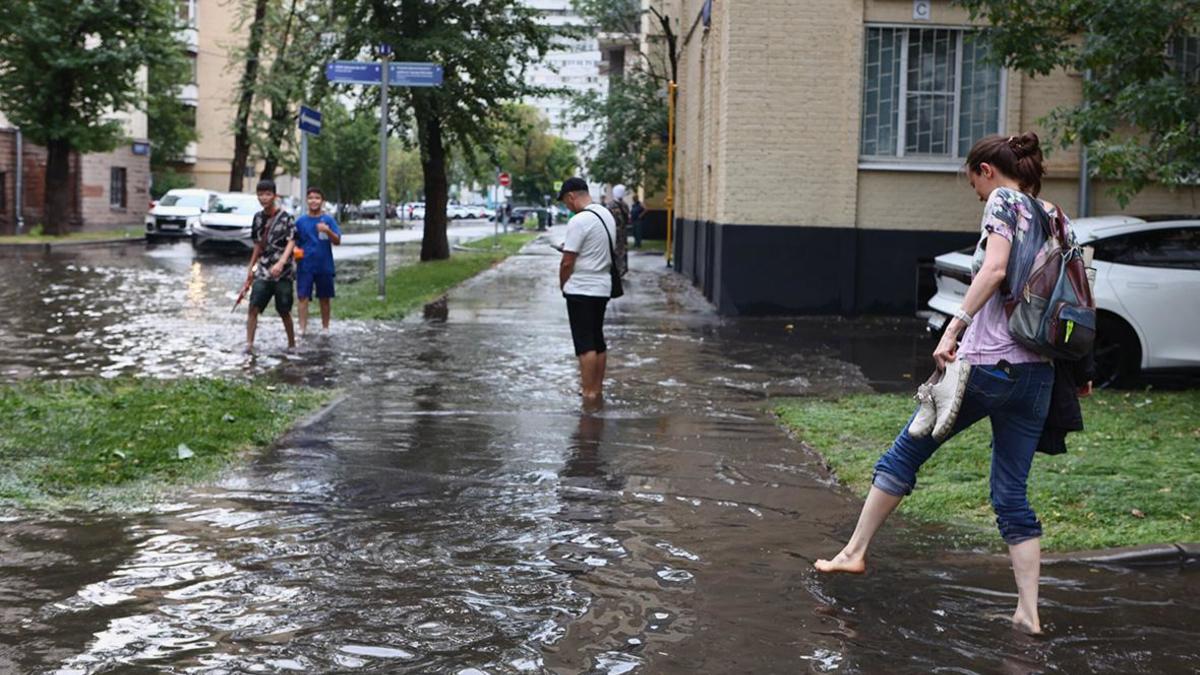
{"x":184,"y":452}
{"x":1137,"y":513}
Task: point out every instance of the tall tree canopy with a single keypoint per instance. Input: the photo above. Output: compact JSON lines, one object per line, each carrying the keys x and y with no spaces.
{"x":629,"y":137}
{"x":535,"y":158}
{"x":344,"y":158}
{"x":66,"y":65}
{"x":485,"y":48}
{"x":1140,"y":113}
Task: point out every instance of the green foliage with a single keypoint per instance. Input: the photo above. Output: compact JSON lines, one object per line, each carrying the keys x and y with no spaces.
{"x":1140,"y":114}
{"x":1139,"y":452}
{"x":535,"y":158}
{"x":292,"y":57}
{"x":166,"y":178}
{"x":171,"y":122}
{"x":484,"y":47}
{"x":344,"y":159}
{"x":630,"y":133}
{"x":405,"y":179}
{"x":66,"y":440}
{"x":65,"y":65}
{"x":411,"y":286}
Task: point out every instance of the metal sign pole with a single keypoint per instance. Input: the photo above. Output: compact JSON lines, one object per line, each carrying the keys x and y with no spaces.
{"x":304,"y":171}
{"x":383,"y":148}
{"x":499,"y":214}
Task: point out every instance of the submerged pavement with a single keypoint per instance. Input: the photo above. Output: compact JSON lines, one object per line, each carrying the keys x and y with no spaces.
{"x":458,"y":513}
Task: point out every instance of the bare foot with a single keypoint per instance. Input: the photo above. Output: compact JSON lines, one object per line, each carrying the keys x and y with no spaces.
{"x":1026,"y":624}
{"x":842,"y":563}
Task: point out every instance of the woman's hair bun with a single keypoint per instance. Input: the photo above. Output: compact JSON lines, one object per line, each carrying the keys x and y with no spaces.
{"x":1025,"y":145}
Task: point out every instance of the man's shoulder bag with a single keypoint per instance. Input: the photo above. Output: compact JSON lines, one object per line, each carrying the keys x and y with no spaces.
{"x":618,"y":289}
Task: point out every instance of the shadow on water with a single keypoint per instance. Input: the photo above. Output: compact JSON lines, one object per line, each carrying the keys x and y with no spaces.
{"x":457,"y":512}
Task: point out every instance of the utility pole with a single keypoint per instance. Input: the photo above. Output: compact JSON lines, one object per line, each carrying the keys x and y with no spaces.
{"x":385,"y":51}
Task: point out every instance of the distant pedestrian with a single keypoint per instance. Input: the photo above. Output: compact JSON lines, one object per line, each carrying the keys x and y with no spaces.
{"x":316,"y":233}
{"x":620,"y":212}
{"x":272,"y":268}
{"x":992,"y":374}
{"x":586,"y":279}
{"x":636,"y":212}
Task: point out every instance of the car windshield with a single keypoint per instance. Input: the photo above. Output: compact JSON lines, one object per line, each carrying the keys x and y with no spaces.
{"x":246,"y":205}
{"x":198,"y":201}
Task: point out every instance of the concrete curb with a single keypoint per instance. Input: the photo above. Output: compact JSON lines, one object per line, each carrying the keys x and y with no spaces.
{"x":316,"y":416}
{"x":48,"y":246}
{"x":1132,"y":556}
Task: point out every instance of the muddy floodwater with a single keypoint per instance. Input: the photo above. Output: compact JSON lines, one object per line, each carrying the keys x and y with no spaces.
{"x":457,"y":512}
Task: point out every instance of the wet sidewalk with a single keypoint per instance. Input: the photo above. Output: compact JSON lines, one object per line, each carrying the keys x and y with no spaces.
{"x":457,"y":513}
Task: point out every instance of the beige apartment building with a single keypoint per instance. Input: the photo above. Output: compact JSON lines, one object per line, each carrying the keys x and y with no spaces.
{"x":821,"y":145}
{"x":212,"y":35}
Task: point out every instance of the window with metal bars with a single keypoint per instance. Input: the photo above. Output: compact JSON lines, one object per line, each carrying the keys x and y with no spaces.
{"x":928,"y":93}
{"x":116,"y":187}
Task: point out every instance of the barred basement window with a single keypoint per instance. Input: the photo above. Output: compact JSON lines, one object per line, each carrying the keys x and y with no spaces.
{"x":928,"y":93}
{"x":116,"y":187}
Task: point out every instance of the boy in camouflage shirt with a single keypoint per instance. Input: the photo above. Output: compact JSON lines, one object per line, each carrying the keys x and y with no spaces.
{"x":272,"y":269}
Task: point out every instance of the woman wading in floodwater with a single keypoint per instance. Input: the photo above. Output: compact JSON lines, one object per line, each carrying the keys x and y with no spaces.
{"x":1007,"y":383}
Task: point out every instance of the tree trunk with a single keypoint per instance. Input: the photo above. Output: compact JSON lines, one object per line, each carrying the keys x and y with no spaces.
{"x":434,"y":244}
{"x":58,"y":187}
{"x":241,"y":138}
{"x":279,"y":104}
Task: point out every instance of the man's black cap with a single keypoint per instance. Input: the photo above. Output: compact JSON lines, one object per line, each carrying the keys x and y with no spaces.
{"x":572,"y":184}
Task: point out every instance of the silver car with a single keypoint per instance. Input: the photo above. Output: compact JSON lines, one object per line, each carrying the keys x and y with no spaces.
{"x":227,"y":225}
{"x":1147,"y":294}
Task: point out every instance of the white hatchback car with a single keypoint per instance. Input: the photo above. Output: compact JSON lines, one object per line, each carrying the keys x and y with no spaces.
{"x":1147,"y":293}
{"x":228,"y":224}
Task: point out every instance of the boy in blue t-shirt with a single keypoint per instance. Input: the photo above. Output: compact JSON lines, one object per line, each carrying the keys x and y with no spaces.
{"x":316,"y":233}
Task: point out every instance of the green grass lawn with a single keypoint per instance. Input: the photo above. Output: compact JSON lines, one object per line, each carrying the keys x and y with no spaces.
{"x":72,"y":442}
{"x":37,"y":237}
{"x":1133,"y":477}
{"x":411,"y":286}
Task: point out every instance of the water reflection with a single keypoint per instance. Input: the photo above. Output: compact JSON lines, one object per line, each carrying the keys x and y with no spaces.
{"x":458,"y":513}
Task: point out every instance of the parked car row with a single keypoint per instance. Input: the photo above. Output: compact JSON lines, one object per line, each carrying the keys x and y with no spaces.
{"x":1147,"y":293}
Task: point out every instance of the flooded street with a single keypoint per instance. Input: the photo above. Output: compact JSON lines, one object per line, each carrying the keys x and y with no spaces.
{"x":457,"y":513}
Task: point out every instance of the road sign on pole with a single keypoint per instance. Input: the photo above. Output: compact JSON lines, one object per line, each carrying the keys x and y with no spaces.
{"x":400,"y":74}
{"x":309,"y":123}
{"x":505,"y":179}
{"x":386,"y":74}
{"x":383,"y":171}
{"x":310,"y":120}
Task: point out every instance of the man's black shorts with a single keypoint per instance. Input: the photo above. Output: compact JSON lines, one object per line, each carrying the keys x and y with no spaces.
{"x":264,"y":290}
{"x":586,"y":313}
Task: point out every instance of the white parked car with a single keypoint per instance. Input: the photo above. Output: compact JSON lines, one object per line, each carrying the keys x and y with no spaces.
{"x":1147,"y":293}
{"x":227,"y":225}
{"x":416,"y":211}
{"x":177,"y":212}
{"x":457,"y":212}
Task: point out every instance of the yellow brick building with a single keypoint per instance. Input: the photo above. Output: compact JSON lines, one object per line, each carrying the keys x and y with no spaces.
{"x":820,"y":148}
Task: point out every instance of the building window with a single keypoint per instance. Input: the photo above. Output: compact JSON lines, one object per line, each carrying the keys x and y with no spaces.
{"x":928,"y":93}
{"x":194,"y":64}
{"x":1183,"y":56}
{"x":186,"y":12}
{"x":116,"y":187}
{"x":3,"y":192}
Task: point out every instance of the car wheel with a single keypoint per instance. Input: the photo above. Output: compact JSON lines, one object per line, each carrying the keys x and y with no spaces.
{"x":1118,"y":353}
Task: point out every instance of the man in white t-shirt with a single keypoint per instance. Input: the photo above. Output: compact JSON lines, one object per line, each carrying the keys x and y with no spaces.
{"x":586,"y":282}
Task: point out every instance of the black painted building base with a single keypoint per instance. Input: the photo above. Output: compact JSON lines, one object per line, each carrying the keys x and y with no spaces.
{"x":781,"y":270}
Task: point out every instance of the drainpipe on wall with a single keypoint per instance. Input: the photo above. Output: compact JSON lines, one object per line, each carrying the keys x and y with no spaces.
{"x":19,"y":201}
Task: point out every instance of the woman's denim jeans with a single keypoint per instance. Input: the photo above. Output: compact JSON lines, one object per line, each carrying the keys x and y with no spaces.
{"x":1016,"y":402}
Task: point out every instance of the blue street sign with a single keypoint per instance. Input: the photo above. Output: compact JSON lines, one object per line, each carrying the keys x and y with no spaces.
{"x":353,"y":72}
{"x":400,"y":74}
{"x":310,"y":120}
{"x":408,"y":74}
{"x":384,"y":49}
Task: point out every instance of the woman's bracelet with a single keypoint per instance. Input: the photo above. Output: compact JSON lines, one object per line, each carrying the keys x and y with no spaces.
{"x":962,"y":316}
